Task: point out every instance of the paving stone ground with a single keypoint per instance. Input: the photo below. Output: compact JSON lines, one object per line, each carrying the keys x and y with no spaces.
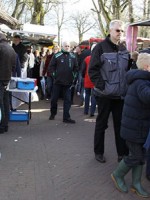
{"x":50,"y":160}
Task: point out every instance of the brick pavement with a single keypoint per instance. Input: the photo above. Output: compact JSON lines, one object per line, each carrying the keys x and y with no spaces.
{"x":50,"y":160}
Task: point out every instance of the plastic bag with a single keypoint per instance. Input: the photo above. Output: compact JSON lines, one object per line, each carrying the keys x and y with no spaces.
{"x":12,"y":84}
{"x":43,"y":85}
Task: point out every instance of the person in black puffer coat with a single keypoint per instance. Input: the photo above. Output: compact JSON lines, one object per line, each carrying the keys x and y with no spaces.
{"x":135,"y":125}
{"x":7,"y":67}
{"x":146,"y":50}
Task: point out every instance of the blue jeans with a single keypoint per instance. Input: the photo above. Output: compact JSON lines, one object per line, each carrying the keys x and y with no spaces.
{"x":67,"y":100}
{"x":80,"y":87}
{"x":89,"y":98}
{"x":4,"y":105}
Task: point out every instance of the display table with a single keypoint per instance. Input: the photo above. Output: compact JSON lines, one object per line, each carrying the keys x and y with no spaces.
{"x":22,"y":96}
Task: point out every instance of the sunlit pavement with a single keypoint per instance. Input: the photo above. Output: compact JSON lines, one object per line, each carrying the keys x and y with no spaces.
{"x":51,"y":160}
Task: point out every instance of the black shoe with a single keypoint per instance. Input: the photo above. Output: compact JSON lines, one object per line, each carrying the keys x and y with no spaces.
{"x":2,"y":131}
{"x":120,"y":158}
{"x":81,"y":104}
{"x":100,"y":158}
{"x":6,"y":128}
{"x":52,"y":117}
{"x":148,"y":177}
{"x":69,"y":120}
{"x":91,"y":115}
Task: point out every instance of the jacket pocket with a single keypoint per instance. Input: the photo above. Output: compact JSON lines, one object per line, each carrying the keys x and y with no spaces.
{"x":110,"y":69}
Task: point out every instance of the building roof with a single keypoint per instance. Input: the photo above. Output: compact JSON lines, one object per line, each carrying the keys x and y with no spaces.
{"x":141,"y":23}
{"x":8,"y":20}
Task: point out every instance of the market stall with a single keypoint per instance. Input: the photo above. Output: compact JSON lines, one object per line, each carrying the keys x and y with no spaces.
{"x":132,"y":33}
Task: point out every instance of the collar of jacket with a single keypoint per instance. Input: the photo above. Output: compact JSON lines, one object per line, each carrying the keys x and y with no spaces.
{"x":65,"y":52}
{"x":119,"y":47}
{"x":110,"y":42}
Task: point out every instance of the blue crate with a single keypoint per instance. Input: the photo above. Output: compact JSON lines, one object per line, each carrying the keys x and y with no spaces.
{"x":25,"y":85}
{"x":18,"y":116}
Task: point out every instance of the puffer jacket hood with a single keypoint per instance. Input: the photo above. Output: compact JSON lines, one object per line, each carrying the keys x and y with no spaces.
{"x":2,"y":37}
{"x":136,"y":74}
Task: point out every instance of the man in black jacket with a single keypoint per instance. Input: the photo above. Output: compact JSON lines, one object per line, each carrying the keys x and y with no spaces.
{"x":63,"y":67}
{"x":20,"y":49}
{"x":7,"y":66}
{"x":109,"y":80}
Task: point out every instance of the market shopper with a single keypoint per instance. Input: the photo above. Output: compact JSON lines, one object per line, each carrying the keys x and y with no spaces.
{"x":64,"y":68}
{"x":30,"y":61}
{"x":135,"y":126}
{"x":49,"y":77}
{"x":21,"y":51}
{"x":90,"y":101}
{"x":108,"y":66}
{"x":7,"y":67}
{"x":134,"y":56}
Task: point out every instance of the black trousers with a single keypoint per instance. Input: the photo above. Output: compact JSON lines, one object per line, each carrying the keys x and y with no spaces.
{"x":4,"y":104}
{"x":66,"y":98}
{"x":105,"y":107}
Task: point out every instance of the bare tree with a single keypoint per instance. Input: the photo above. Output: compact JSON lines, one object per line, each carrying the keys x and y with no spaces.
{"x":37,"y":9}
{"x":148,"y":9}
{"x":107,"y":10}
{"x":41,"y":8}
{"x":103,"y":20}
{"x":130,"y":5}
{"x":19,"y":8}
{"x":59,"y":19}
{"x":144,"y":32}
{"x":82,"y":23}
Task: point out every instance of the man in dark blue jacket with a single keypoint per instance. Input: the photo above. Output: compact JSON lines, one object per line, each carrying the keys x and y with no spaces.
{"x":64,"y":68}
{"x":147,"y":50}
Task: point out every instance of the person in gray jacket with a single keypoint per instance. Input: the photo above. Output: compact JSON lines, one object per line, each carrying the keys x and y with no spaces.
{"x":108,"y":65}
{"x":7,"y":66}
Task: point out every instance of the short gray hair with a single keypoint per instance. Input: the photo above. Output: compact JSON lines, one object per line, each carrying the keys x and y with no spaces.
{"x":65,"y":42}
{"x":116,"y":21}
{"x":143,"y":59}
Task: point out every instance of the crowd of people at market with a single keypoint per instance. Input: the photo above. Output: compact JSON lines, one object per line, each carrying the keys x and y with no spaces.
{"x":107,"y":78}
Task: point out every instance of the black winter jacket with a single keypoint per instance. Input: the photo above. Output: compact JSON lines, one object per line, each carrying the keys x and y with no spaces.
{"x":7,"y":60}
{"x":64,"y":68}
{"x":20,"y":49}
{"x":136,"y":111}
